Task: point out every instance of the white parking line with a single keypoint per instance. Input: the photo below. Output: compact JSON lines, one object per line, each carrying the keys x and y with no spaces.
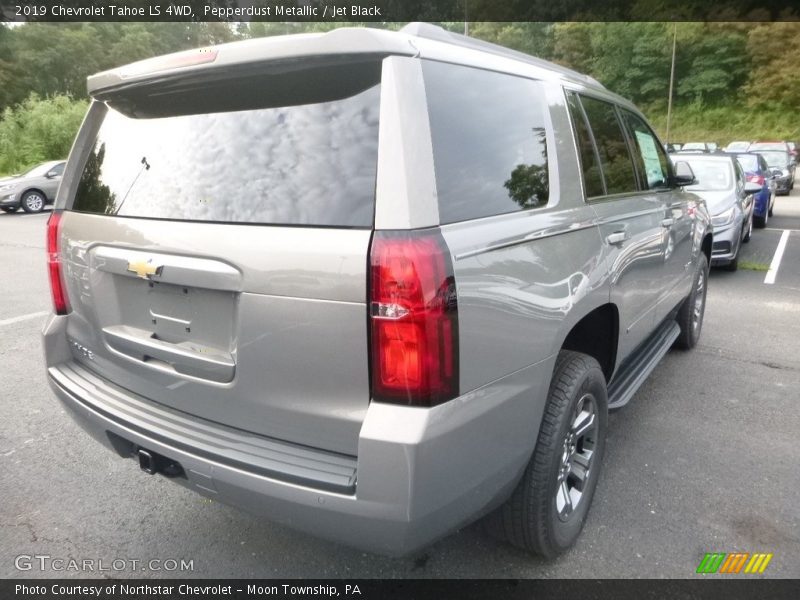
{"x":22,"y":318}
{"x":776,"y":260}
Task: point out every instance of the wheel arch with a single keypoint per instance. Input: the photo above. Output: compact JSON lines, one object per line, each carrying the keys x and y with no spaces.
{"x":597,"y":334}
{"x":32,"y":189}
{"x":706,"y":246}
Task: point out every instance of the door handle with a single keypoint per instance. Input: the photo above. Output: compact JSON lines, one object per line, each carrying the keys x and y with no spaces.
{"x":667,"y":222}
{"x":617,"y":237}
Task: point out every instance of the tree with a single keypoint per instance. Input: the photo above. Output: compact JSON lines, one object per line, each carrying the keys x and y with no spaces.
{"x":38,"y":130}
{"x":773,"y":81}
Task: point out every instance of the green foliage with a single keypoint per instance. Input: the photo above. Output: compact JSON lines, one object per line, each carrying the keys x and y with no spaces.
{"x":724,"y":124}
{"x":38,"y":130}
{"x":774,"y":47}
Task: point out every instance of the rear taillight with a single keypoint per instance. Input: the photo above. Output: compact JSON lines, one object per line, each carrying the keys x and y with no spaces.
{"x":759,"y":179}
{"x":54,"y":266}
{"x":413,"y":319}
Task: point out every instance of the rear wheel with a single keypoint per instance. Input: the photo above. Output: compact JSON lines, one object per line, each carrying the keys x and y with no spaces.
{"x":547,"y":510}
{"x":749,"y":230}
{"x":690,"y":316}
{"x":33,"y":202}
{"x":9,"y":209}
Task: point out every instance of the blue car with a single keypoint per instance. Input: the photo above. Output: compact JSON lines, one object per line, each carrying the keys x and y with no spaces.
{"x":757,"y":171}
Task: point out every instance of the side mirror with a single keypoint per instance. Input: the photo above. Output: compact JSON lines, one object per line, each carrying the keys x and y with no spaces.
{"x":50,"y":174}
{"x":683,"y":175}
{"x":752,"y":188}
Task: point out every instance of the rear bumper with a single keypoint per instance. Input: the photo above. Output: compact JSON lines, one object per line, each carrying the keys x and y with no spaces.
{"x":419,"y":474}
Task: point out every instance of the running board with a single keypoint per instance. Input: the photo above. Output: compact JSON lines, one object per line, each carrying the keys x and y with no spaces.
{"x":646,"y":357}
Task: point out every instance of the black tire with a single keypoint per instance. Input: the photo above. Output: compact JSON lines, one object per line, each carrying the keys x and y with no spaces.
{"x":9,"y":209}
{"x":691,"y":313}
{"x":530,"y":519}
{"x":761,"y":222}
{"x":749,"y":232}
{"x":33,"y":201}
{"x":769,"y":212}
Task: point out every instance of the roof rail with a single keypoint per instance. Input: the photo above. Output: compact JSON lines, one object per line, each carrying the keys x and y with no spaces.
{"x":434,"y":32}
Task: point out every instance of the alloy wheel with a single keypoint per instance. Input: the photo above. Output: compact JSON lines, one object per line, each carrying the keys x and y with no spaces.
{"x":577,"y":457}
{"x":34,"y":202}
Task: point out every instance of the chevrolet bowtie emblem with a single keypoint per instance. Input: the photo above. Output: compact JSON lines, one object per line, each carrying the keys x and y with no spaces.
{"x":144,"y":268}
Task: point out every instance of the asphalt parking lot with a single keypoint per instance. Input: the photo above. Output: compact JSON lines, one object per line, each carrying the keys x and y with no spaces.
{"x":704,"y":458}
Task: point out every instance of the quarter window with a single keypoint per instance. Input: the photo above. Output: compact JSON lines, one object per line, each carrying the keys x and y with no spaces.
{"x":489,"y":141}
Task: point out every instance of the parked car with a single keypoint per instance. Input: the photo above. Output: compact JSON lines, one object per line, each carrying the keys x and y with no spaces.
{"x":670,"y":148}
{"x":757,"y":171}
{"x":779,"y":146}
{"x":729,"y":196}
{"x":737,"y":147}
{"x":695,"y":147}
{"x":33,"y":189}
{"x":374,"y":338}
{"x":782,"y":167}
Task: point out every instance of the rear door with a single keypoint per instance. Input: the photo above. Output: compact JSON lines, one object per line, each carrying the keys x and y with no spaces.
{"x":216,"y":249}
{"x":629,"y":220}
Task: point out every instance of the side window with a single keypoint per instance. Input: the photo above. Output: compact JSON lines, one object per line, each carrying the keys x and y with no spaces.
{"x":650,"y":157}
{"x":612,"y":147}
{"x":489,"y":141}
{"x":58,"y":170}
{"x":592,"y":177}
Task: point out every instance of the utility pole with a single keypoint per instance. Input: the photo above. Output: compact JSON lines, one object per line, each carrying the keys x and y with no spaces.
{"x":671,"y":77}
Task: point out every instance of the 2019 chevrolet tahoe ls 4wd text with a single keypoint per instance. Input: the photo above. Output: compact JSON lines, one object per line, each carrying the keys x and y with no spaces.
{"x":373,"y":285}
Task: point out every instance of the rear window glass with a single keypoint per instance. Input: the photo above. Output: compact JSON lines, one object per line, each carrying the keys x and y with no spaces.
{"x":776,"y":159}
{"x":712,"y":176}
{"x":489,"y":141}
{"x":749,"y":162}
{"x":311,"y":164}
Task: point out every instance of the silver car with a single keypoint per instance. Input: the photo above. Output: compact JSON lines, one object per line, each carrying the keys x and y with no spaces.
{"x":721,"y":182}
{"x":33,"y":189}
{"x":373,"y":285}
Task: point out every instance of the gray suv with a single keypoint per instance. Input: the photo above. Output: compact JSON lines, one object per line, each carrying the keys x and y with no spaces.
{"x":33,"y":189}
{"x":373,"y":285}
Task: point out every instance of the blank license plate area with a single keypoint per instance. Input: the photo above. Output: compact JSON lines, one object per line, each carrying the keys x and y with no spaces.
{"x":173,"y":313}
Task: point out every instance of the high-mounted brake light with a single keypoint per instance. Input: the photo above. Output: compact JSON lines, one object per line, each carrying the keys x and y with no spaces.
{"x":54,"y":264}
{"x":170,"y":61}
{"x":413,"y":319}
